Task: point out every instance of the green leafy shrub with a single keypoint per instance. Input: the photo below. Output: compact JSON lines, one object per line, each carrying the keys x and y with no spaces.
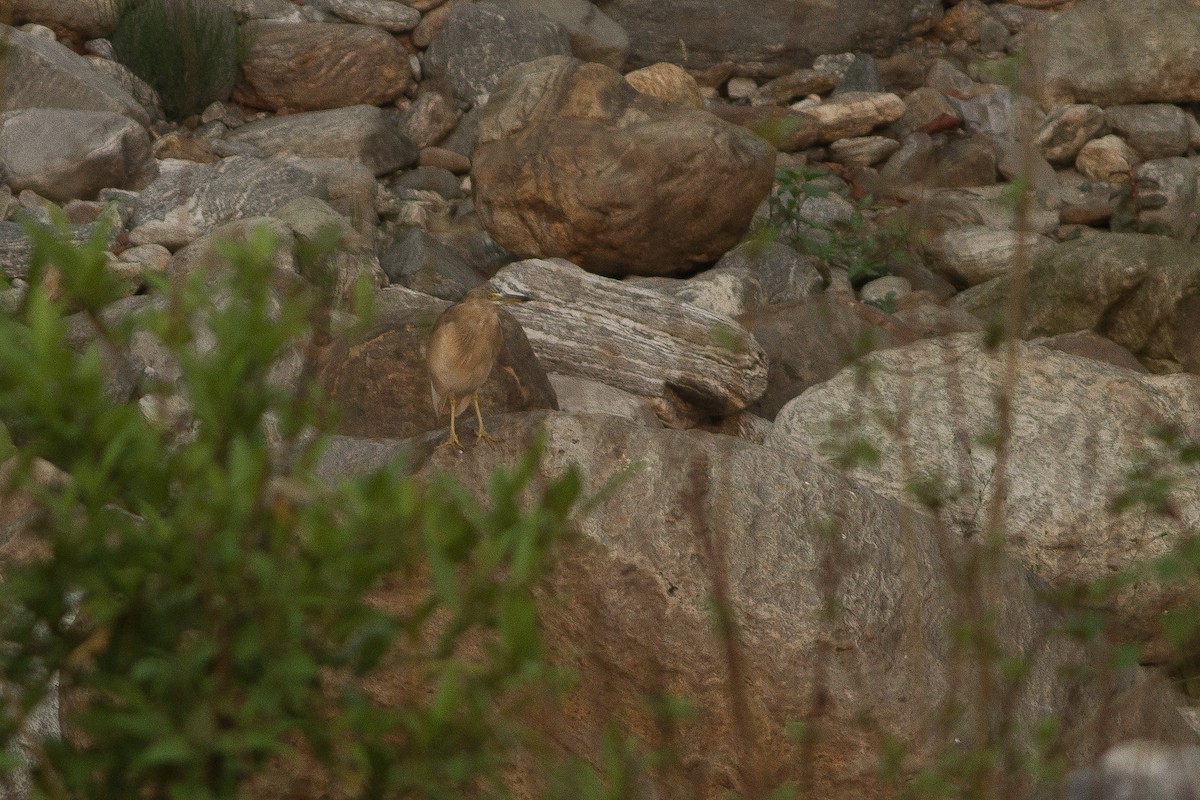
{"x":859,"y":246}
{"x":205,"y":597}
{"x":188,"y":50}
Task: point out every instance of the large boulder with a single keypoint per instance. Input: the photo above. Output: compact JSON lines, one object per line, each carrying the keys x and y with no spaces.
{"x":310,"y":66}
{"x":844,"y":616}
{"x":1078,"y":428}
{"x":479,"y":42}
{"x":570,"y":161}
{"x":39,"y":73}
{"x":64,"y":155}
{"x":1110,"y":52}
{"x":1133,"y":288}
{"x":762,"y":37}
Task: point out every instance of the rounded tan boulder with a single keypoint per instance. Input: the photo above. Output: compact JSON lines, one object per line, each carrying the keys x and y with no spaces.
{"x":572,"y":162}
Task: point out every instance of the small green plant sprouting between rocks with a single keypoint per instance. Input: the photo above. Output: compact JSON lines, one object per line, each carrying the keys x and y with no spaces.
{"x":203,"y":597}
{"x":187,"y":50}
{"x":863,"y":248}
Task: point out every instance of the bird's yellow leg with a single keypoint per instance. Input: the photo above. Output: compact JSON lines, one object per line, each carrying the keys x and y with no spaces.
{"x":481,"y":434}
{"x":452,"y":441}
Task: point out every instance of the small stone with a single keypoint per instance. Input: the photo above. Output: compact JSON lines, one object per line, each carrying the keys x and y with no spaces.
{"x":740,"y":88}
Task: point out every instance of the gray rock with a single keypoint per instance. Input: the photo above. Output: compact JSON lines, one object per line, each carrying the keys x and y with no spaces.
{"x":1154,"y":130}
{"x":731,"y":291}
{"x":808,"y":343}
{"x":594,"y":35}
{"x":430,"y":118}
{"x":861,"y":76}
{"x":1066,"y":129}
{"x":352,"y":188}
{"x":975,"y":254}
{"x":16,"y":249}
{"x":141,"y":91}
{"x":863,"y":151}
{"x":434,"y":179}
{"x":366,"y":133}
{"x":970,"y":161}
{"x":343,"y":65}
{"x":387,"y":14}
{"x":1077,"y":427}
{"x":784,"y":276}
{"x":1000,"y":113}
{"x":689,"y":362}
{"x":1111,"y":52}
{"x":947,"y":78}
{"x":767,"y":39}
{"x":909,"y":165}
{"x":888,"y":289}
{"x":479,"y":42}
{"x":66,"y":154}
{"x":1129,"y":287}
{"x":1139,"y":768}
{"x":44,"y":74}
{"x":85,"y":19}
{"x":928,"y":109}
{"x":420,"y":262}
{"x":582,"y":396}
{"x":1084,"y":201}
{"x":1173,"y":179}
{"x":462,"y":139}
{"x":188,"y":199}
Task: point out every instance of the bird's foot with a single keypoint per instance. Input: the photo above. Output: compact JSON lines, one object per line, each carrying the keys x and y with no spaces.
{"x":451,"y":441}
{"x":484,"y":436}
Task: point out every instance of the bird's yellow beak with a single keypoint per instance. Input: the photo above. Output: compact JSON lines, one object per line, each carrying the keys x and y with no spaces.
{"x":504,"y":298}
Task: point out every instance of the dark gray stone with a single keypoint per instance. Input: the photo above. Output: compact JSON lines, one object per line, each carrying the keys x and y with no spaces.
{"x":479,"y":42}
{"x":422,"y":263}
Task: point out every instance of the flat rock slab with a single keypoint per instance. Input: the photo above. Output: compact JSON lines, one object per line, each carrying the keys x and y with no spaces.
{"x":365,"y":133}
{"x":16,"y":249}
{"x":188,"y":200}
{"x":1078,"y":426}
{"x":572,"y":162}
{"x":310,"y":66}
{"x":387,"y":14}
{"x":65,"y":154}
{"x":689,"y":362}
{"x":39,"y":73}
